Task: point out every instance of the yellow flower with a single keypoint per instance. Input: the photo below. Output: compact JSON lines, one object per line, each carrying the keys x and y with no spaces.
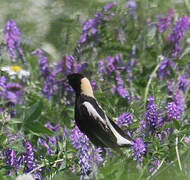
{"x":15,"y":68}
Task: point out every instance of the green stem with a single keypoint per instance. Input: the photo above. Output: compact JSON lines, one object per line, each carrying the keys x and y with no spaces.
{"x":177,"y":153}
{"x":156,"y":170}
{"x":153,"y":74}
{"x":45,"y":164}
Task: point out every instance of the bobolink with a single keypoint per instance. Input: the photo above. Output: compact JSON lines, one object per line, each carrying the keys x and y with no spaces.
{"x":91,"y":118}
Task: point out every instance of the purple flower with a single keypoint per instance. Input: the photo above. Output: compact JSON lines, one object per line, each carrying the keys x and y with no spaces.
{"x":53,"y":128}
{"x":131,"y":4}
{"x":173,"y":111}
{"x":86,"y":154}
{"x":155,"y":163}
{"x":183,"y":82}
{"x":187,"y":140}
{"x":2,"y":85}
{"x":179,"y":101}
{"x":90,"y":27}
{"x":48,"y":142}
{"x":101,"y":69}
{"x":10,"y":157}
{"x":139,"y":149}
{"x":125,"y":118}
{"x":165,"y":21}
{"x":11,"y":91}
{"x":29,"y":159}
{"x":68,"y":65}
{"x":165,"y":68}
{"x":49,"y":85}
{"x":120,"y":86}
{"x":151,"y":113}
{"x":12,"y":39}
{"x":109,"y":5}
{"x":178,"y":32}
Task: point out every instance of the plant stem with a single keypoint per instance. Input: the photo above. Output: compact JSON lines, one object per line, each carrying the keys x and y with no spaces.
{"x":177,"y":153}
{"x":153,"y":74}
{"x":45,"y":164}
{"x":156,"y":170}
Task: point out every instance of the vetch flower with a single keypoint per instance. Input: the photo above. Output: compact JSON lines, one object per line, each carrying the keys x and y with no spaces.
{"x":29,"y":160}
{"x":125,"y":118}
{"x":187,"y":140}
{"x":154,"y":164}
{"x":86,"y":153}
{"x":47,"y":72}
{"x":181,"y":25}
{"x":120,"y":86}
{"x":183,"y":82}
{"x":179,"y":100}
{"x":139,"y":149}
{"x":165,"y":21}
{"x":165,"y":68}
{"x":173,"y":111}
{"x":109,"y":5}
{"x":15,"y":71}
{"x":151,"y":114}
{"x":131,"y":4}
{"x":12,"y":39}
{"x":90,"y":28}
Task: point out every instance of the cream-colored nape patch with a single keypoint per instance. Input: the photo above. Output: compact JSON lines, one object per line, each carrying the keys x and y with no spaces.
{"x":86,"y":87}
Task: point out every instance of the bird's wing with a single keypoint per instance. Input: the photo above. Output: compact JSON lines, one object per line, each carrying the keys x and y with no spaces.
{"x":106,"y":129}
{"x":96,"y":126}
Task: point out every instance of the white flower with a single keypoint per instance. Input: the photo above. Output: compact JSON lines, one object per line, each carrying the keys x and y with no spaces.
{"x":25,"y":177}
{"x":15,"y":71}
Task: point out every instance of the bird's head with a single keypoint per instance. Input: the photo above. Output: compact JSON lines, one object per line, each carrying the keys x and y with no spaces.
{"x":80,"y":84}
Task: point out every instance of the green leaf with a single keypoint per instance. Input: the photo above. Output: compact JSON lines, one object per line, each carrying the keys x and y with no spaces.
{"x":34,"y":112}
{"x":38,"y":128}
{"x":17,"y":145}
{"x":186,"y":126}
{"x":176,"y":124}
{"x":15,"y":121}
{"x":2,"y":139}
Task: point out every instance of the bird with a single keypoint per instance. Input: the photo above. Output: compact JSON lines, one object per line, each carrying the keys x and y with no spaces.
{"x":92,"y":120}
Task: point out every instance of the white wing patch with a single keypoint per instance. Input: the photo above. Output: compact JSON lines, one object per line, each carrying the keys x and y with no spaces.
{"x":92,"y":111}
{"x":120,"y":139}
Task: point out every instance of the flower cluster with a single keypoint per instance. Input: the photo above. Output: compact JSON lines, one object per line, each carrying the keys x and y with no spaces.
{"x":165,"y":68}
{"x":165,"y":21}
{"x":154,"y":164}
{"x":12,"y":39}
{"x":151,"y":114}
{"x":86,"y":153}
{"x":68,"y":65}
{"x":183,"y":82}
{"x":10,"y":91}
{"x":173,"y":111}
{"x":47,"y":73}
{"x":178,"y":32}
{"x":29,"y":160}
{"x":119,"y":87}
{"x":139,"y":149}
{"x":132,"y":5}
{"x":90,"y":27}
{"x":48,"y":142}
{"x":125,"y":118}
